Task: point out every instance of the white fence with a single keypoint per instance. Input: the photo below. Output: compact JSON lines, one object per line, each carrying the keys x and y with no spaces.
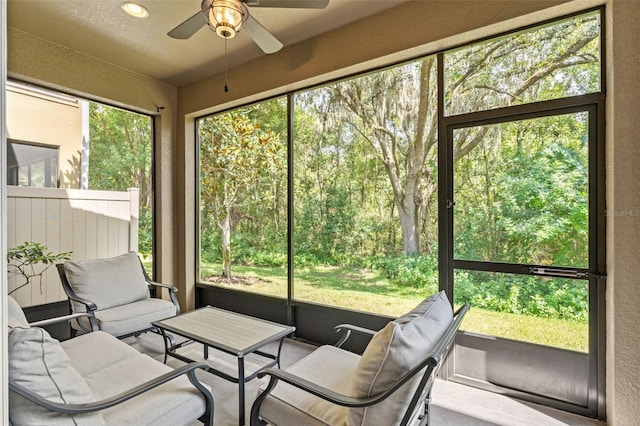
{"x":90,"y":224}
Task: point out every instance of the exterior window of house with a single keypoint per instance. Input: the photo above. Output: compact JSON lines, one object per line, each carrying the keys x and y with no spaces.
{"x":32,"y":165}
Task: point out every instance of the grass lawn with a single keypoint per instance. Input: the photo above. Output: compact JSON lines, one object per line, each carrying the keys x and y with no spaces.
{"x":368,"y":291}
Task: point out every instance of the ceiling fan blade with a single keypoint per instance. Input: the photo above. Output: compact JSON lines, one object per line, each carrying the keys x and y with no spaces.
{"x":262,"y":37}
{"x":189,"y":27}
{"x":300,"y":4}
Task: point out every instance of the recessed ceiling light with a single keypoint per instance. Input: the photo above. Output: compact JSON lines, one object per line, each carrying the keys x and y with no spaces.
{"x":136,"y":10}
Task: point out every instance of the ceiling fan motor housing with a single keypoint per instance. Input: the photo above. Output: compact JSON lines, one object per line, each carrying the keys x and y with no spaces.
{"x":225,"y":17}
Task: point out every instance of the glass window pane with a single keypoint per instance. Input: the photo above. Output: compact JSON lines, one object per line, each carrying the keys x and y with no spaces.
{"x":365,"y":184}
{"x":243,"y":198}
{"x":32,"y":165}
{"x":549,"y":62}
{"x":548,"y":311}
{"x":521,"y":192}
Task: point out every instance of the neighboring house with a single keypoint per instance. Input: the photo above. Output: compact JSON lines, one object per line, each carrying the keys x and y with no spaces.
{"x":45,"y":138}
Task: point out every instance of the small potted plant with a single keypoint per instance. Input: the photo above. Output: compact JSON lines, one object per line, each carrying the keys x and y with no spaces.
{"x":23,"y":259}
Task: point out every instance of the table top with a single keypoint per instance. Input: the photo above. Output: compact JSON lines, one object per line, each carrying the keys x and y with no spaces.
{"x":232,"y":332}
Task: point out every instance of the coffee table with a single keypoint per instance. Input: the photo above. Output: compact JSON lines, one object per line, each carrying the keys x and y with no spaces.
{"x":230,"y":332}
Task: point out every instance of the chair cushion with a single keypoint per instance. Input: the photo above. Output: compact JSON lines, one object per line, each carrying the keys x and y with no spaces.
{"x":107,"y":282}
{"x":176,"y":402}
{"x":94,"y":351}
{"x":16,"y":314}
{"x":326,"y":366}
{"x":37,"y":362}
{"x":136,"y":316}
{"x":393,"y":351}
{"x":110,"y":366}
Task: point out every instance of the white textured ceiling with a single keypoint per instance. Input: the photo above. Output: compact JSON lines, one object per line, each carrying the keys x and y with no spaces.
{"x":100,"y":28}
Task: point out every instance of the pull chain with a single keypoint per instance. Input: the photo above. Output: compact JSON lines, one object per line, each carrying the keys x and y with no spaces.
{"x":226,"y":66}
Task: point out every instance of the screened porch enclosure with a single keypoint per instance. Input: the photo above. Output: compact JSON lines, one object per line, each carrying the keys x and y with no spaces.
{"x":477,"y":170}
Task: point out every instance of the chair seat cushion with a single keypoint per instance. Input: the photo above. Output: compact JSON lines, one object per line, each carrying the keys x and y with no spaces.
{"x":392,"y":352}
{"x":38,"y":363}
{"x":95,"y":351}
{"x":110,"y":366}
{"x":121,"y":320}
{"x":176,"y":402}
{"x":327,"y":366}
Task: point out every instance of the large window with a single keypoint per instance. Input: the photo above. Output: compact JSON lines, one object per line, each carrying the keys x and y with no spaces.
{"x":523,"y":184}
{"x":243,"y":198}
{"x":365,"y":182}
{"x":365,"y":175}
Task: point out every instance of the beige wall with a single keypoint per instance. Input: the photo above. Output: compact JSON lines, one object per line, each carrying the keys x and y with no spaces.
{"x":34,"y":60}
{"x":433,"y":25}
{"x":34,"y":116}
{"x":623,"y":226}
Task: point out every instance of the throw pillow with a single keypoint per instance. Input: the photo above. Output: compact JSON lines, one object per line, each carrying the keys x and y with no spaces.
{"x":393,"y":351}
{"x":16,"y":314}
{"x":38,"y":363}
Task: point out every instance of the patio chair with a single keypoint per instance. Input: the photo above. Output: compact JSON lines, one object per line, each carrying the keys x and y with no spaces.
{"x":117,"y":294}
{"x":95,"y":379}
{"x":388,"y":385}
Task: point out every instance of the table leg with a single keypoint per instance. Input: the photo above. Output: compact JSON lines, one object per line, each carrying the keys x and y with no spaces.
{"x":279,"y":350}
{"x":241,"y":391}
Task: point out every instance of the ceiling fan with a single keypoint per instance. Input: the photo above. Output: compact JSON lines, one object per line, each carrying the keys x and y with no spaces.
{"x":228,"y":17}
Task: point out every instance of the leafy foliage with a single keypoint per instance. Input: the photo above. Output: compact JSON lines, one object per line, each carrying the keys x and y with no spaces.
{"x":120,"y":158}
{"x":23,"y":259}
{"x":242,"y":170}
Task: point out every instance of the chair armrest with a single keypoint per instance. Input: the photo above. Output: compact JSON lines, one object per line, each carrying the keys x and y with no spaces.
{"x":105,"y":403}
{"x":153,"y":285}
{"x":54,"y":320}
{"x":337,"y":398}
{"x":171,"y":288}
{"x":72,"y":294}
{"x":172,"y":291}
{"x":277,"y":374}
{"x":349,"y":329}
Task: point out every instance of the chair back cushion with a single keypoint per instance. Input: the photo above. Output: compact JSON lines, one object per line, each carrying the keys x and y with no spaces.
{"x":108,"y":282}
{"x":38,"y":363}
{"x":392,"y":352}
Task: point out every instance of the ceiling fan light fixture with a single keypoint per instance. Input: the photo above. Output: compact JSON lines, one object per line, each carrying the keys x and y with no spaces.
{"x":136,"y":10}
{"x":227,"y":17}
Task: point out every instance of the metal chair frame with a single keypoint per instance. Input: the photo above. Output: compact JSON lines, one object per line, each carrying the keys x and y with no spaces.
{"x":430,"y":365}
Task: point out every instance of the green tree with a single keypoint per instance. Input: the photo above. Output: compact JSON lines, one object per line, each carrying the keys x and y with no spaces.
{"x":395,"y":111}
{"x":120,"y":153}
{"x":239,"y":162}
